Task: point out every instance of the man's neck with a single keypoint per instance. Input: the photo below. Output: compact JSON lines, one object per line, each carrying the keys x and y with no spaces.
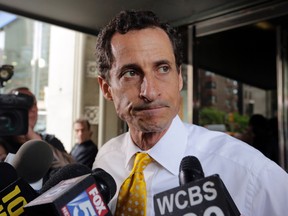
{"x":84,"y":141}
{"x":146,"y":141}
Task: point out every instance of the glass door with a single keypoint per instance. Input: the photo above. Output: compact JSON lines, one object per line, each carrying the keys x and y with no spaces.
{"x":282,"y":90}
{"x":235,"y":78}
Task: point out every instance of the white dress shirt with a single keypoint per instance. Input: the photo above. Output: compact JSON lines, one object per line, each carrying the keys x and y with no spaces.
{"x":258,"y":186}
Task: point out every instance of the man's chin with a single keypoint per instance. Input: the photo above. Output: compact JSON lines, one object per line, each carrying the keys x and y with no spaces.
{"x":153,"y":128}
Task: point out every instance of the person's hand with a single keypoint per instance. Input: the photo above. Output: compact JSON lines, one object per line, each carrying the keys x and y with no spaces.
{"x":3,"y":157}
{"x":3,"y":153}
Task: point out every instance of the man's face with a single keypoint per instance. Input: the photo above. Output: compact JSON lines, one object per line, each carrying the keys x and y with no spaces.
{"x":82,"y":132}
{"x":145,"y":83}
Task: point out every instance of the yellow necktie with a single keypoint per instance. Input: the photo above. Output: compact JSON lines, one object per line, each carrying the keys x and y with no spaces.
{"x":132,"y":194}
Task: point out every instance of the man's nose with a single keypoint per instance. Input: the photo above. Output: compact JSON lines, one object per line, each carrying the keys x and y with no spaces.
{"x":78,"y":133}
{"x":149,"y":88}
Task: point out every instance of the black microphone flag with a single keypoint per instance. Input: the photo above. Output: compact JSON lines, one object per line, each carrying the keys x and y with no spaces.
{"x":15,"y":192}
{"x":199,"y":198}
{"x":76,"y":196}
{"x":15,"y":197}
{"x":197,"y":195}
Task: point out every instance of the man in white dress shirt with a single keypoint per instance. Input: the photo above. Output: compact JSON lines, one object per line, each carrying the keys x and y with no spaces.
{"x":139,"y":63}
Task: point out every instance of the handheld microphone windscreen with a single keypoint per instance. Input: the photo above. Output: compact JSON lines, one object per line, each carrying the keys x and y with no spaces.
{"x":106,"y":183}
{"x":67,"y":172}
{"x":190,"y":170}
{"x":7,"y":175}
{"x":32,"y":160}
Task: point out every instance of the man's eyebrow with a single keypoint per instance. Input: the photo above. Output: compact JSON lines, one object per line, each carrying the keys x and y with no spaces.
{"x":132,"y":65}
{"x":163,"y":61}
{"x":127,"y":67}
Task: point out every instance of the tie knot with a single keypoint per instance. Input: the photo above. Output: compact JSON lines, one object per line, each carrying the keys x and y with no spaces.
{"x":141,"y":161}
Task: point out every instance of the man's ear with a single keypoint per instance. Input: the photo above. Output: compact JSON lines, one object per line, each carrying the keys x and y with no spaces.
{"x":180,"y":78}
{"x":105,"y":87}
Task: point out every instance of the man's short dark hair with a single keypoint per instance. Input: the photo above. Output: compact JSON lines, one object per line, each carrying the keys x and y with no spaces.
{"x":83,"y":121}
{"x":124,"y":22}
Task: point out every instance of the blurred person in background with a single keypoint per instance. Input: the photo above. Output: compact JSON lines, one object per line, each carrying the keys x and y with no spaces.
{"x":262,"y":134}
{"x":85,"y":150}
{"x":13,"y":143}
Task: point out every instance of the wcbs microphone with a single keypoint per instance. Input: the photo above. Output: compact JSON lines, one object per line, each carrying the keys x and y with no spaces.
{"x":83,"y":195}
{"x":197,"y":195}
{"x":15,"y":191}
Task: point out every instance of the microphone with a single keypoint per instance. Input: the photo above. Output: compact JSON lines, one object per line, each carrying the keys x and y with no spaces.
{"x":15,"y":193}
{"x":28,"y":165}
{"x":196,"y":195}
{"x":67,"y":172}
{"x":32,"y":160}
{"x":8,"y":175}
{"x":106,"y":183}
{"x":190,"y":170}
{"x":87,"y":194}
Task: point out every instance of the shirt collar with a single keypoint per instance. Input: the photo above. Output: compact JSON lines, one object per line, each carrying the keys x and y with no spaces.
{"x":130,"y":150}
{"x":169,"y":150}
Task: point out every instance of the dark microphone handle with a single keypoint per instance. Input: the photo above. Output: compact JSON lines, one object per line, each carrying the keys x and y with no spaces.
{"x":187,"y":176}
{"x":190,"y":170}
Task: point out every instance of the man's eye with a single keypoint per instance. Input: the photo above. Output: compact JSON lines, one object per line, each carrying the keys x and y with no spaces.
{"x":129,"y":73}
{"x":164,"y":69}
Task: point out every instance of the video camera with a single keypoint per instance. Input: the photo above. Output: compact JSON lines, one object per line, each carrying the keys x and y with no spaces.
{"x":13,"y":107}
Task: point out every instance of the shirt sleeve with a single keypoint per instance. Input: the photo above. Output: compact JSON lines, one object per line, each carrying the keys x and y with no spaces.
{"x":270,"y":191}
